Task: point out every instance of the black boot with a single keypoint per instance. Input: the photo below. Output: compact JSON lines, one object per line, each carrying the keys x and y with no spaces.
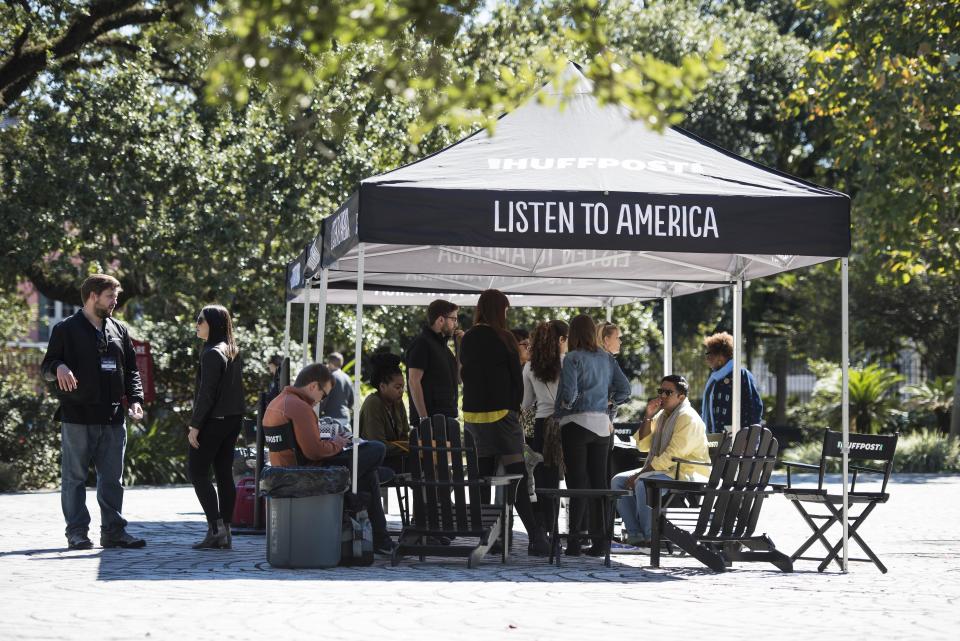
{"x":539,"y":545}
{"x":217,"y":538}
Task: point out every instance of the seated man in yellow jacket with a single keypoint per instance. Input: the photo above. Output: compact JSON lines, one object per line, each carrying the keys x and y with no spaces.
{"x":671,"y":428}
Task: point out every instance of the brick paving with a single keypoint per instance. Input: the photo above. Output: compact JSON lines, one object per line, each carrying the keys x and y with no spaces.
{"x":169,"y":591}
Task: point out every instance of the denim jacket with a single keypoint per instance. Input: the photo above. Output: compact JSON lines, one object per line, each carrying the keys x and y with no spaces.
{"x":588,"y":381}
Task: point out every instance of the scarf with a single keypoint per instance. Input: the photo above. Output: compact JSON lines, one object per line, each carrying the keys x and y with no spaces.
{"x":706,"y":409}
{"x":664,"y":433}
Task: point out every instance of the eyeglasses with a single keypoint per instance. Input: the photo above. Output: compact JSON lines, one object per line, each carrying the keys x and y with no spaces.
{"x":665,"y":392}
{"x":454,"y":318}
{"x":102,"y":344}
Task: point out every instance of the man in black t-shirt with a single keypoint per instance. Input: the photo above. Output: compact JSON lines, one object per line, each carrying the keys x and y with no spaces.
{"x":432,"y":369}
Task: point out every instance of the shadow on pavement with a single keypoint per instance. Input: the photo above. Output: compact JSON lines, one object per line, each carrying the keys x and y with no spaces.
{"x":169,"y":557}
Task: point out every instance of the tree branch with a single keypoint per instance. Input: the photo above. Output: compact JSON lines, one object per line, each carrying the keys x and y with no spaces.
{"x":27,"y":63}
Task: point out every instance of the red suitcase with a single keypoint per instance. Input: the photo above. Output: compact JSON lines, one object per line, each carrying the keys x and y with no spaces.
{"x":243,"y":506}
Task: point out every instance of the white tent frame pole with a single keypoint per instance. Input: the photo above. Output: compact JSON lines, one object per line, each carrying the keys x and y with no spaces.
{"x":737,"y":354}
{"x":286,"y":331}
{"x":322,"y":315}
{"x":358,"y":356}
{"x":609,"y":313}
{"x":305,"y":346}
{"x":845,"y":399}
{"x":667,"y":335}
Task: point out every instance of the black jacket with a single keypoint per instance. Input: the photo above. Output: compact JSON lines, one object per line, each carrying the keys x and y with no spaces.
{"x":492,"y":377}
{"x":74,"y":342}
{"x":219,"y":390}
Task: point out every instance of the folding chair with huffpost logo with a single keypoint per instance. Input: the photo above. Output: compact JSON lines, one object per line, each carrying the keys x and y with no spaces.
{"x":863,"y":448}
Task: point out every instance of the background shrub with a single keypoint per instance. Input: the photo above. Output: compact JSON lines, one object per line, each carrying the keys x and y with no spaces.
{"x":920,"y":451}
{"x":29,"y":436}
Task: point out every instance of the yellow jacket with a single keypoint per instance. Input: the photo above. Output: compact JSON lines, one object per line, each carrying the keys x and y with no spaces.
{"x":689,"y":442}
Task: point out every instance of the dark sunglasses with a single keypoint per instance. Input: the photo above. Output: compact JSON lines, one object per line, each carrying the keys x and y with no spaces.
{"x":102,"y":344}
{"x":665,"y":392}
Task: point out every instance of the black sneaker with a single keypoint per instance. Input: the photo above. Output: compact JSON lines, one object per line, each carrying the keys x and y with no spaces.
{"x":121,"y":540}
{"x":79,"y":541}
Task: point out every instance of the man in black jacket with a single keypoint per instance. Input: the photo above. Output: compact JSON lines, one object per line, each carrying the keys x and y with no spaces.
{"x":91,"y":359}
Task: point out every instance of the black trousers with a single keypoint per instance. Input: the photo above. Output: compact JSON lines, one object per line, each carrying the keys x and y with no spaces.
{"x":585,"y":457}
{"x":218,"y":437}
{"x":544,"y":476}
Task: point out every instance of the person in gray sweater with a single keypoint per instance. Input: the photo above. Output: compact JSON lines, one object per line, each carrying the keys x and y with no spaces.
{"x":339,"y":401}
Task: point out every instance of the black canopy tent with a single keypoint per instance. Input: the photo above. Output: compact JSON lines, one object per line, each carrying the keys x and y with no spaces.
{"x":570,"y":203}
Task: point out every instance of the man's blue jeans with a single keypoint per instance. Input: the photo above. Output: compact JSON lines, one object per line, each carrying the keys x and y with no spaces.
{"x":636,"y":514}
{"x":104,"y":445}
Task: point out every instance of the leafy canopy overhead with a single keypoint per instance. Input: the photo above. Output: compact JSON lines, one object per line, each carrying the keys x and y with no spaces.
{"x":299,"y":45}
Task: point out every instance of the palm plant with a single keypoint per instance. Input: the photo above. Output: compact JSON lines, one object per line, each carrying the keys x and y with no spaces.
{"x":934,"y":397}
{"x":872,"y":403}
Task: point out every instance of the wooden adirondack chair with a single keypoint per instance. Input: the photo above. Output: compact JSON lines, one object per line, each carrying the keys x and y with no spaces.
{"x":729,"y":506}
{"x":443,"y":476}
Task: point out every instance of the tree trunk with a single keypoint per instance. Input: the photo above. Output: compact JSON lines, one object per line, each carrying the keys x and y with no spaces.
{"x":955,"y":412}
{"x":781,"y":370}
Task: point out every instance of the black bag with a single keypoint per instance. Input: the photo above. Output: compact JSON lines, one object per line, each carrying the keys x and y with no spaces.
{"x":357,"y":537}
{"x":295,"y":482}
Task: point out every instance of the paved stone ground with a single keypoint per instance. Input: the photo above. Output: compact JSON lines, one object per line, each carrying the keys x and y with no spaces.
{"x":168,"y":591}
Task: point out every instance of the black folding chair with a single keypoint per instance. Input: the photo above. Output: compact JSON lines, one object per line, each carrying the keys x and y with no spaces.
{"x":863,"y":447}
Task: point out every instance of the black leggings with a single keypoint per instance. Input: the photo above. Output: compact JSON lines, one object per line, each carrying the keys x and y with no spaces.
{"x":585,"y":457}
{"x":546,"y":477}
{"x":217,"y":440}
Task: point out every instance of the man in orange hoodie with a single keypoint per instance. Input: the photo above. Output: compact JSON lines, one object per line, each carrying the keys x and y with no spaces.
{"x":295,"y":405}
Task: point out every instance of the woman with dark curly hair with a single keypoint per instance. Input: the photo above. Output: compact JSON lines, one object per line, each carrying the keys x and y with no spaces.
{"x":217,"y":415}
{"x":540,"y":378}
{"x":383,"y":417}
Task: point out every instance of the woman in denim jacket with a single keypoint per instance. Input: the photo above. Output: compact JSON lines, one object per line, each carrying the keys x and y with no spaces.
{"x":589,"y":379}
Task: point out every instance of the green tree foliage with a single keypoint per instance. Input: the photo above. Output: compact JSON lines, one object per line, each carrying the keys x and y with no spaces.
{"x":885,"y":88}
{"x":43,"y":37}
{"x":300,"y":46}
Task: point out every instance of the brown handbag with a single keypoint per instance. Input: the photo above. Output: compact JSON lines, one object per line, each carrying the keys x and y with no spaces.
{"x":553,"y":445}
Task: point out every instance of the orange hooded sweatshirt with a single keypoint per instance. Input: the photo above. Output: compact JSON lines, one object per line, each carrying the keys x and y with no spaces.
{"x":294,"y":405}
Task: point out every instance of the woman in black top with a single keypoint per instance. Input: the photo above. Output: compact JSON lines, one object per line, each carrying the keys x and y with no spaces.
{"x":492,"y":393}
{"x":217,"y":414}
